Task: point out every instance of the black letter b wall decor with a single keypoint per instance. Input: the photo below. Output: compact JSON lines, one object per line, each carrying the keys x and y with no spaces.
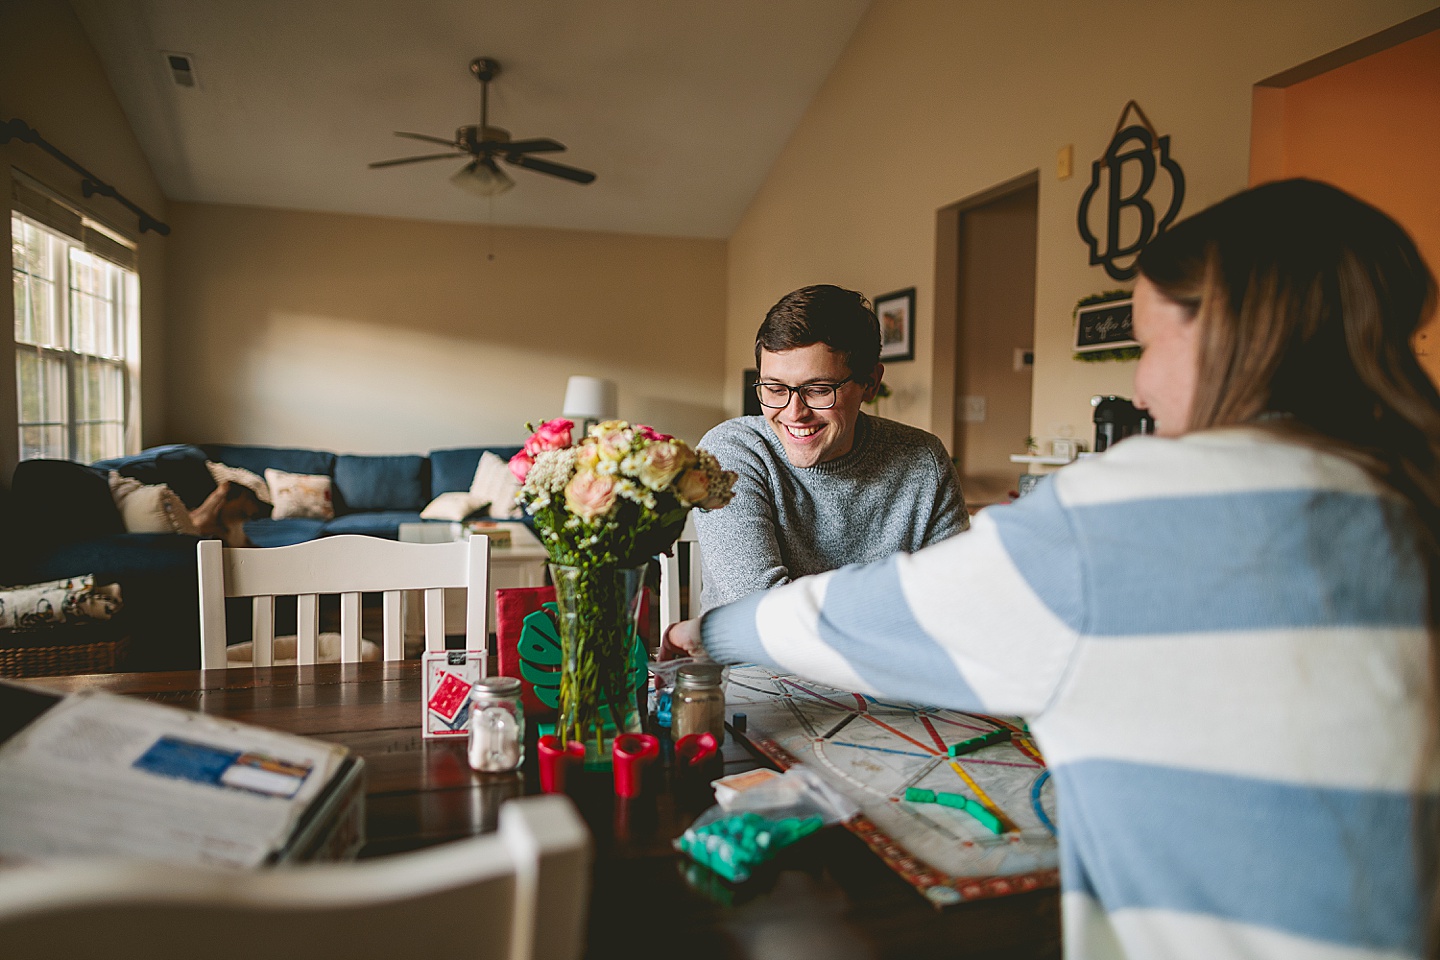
{"x":1129,"y":167}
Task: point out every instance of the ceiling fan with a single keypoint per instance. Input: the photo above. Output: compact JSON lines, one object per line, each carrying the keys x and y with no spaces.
{"x":484,"y":143}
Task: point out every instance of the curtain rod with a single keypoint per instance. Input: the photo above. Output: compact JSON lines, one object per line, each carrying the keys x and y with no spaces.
{"x":91,"y":185}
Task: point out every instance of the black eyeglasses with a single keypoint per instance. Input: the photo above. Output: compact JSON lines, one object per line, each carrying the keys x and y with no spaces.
{"x":816,"y":396}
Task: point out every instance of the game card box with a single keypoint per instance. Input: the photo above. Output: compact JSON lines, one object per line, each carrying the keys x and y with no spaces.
{"x":449,"y":677}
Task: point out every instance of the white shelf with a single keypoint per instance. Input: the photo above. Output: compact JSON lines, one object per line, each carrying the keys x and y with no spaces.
{"x":1035,"y":458}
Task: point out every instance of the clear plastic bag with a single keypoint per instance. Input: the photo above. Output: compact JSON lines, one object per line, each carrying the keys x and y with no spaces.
{"x":760,"y":822}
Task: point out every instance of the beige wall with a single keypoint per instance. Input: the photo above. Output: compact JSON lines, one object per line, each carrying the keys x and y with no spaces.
{"x":51,"y":78}
{"x":1371,"y":127}
{"x":365,"y":334}
{"x":937,"y":100}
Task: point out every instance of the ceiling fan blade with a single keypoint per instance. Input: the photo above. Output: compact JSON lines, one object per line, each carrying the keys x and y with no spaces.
{"x":554,"y":169}
{"x":426,"y":137}
{"x":431,"y":156}
{"x":541,"y":145}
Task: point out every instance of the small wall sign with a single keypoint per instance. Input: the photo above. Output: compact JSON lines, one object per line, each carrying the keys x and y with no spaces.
{"x":1104,"y":326}
{"x":1128,"y":220}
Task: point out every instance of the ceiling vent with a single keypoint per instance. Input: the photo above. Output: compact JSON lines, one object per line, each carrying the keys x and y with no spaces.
{"x":182,"y":69}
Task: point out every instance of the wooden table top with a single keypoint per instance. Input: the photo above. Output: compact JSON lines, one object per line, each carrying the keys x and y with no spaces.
{"x":828,"y":897}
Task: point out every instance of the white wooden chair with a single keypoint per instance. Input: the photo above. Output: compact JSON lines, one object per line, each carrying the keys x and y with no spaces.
{"x":686,"y":551}
{"x":348,"y":566}
{"x":517,"y":894}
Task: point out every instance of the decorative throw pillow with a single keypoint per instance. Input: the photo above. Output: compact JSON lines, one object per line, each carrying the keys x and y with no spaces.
{"x":149,"y":509}
{"x":223,"y":471}
{"x":495,"y":483}
{"x":37,"y":605}
{"x":300,"y":495}
{"x":455,"y":505}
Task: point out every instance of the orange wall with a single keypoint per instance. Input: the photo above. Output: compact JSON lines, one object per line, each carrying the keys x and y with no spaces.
{"x":1373,"y":128}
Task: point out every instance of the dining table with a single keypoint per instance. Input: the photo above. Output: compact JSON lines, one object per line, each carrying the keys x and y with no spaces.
{"x":828,"y":897}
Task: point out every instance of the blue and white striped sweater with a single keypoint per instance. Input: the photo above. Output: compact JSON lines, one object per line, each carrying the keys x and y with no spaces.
{"x":1220,"y":643}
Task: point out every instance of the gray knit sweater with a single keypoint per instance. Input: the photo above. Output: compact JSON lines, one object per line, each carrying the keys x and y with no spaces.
{"x":895,"y":490}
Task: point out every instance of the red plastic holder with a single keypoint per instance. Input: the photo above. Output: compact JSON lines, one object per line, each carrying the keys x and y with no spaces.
{"x":633,"y":752}
{"x":555,"y":758}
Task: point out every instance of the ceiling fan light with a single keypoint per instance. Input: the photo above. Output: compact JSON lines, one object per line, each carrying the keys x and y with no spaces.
{"x":481,"y":179}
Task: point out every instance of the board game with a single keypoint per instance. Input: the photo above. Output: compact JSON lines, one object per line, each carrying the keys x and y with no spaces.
{"x":875,"y":751}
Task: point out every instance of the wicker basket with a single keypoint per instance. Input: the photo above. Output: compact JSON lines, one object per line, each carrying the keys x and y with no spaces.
{"x":54,"y":653}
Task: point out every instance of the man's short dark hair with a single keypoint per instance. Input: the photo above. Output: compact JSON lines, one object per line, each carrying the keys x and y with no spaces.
{"x":824,"y":313}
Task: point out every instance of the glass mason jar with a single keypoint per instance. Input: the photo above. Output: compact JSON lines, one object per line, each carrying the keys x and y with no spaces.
{"x":697,"y":704}
{"x":497,"y":725}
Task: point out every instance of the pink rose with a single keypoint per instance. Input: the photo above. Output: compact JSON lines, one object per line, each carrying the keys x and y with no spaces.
{"x":693,"y":486}
{"x":590,"y":496}
{"x":520,"y":465}
{"x":552,"y":435}
{"x":650,"y":433}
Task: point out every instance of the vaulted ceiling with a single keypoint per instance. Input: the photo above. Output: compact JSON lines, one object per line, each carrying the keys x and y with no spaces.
{"x":679,"y":106}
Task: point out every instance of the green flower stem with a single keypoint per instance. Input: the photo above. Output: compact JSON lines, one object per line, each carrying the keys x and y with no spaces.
{"x":598,"y":606}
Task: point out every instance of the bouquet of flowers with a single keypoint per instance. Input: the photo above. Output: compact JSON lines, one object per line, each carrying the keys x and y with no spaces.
{"x":603,"y":507}
{"x":619,"y":496}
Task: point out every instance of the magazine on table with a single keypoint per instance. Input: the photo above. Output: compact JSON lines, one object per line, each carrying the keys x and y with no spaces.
{"x":94,"y":774}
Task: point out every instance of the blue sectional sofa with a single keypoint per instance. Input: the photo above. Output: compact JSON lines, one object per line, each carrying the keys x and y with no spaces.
{"x":58,"y":520}
{"x":373,"y":495}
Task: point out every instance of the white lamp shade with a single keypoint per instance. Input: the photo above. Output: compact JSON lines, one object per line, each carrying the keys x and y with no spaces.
{"x":590,"y":398}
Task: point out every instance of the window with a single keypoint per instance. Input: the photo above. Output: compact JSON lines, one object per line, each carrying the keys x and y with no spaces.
{"x":76,"y":319}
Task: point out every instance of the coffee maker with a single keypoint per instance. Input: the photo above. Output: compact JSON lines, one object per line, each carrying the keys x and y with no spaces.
{"x":1117,"y":418}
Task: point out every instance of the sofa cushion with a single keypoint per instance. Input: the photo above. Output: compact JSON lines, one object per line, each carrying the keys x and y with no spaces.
{"x":179,"y":466}
{"x":381,"y":483}
{"x":283,"y":533}
{"x":258,"y":459}
{"x":300,"y":495}
{"x":377,"y":523}
{"x":60,"y":501}
{"x":454,"y":468}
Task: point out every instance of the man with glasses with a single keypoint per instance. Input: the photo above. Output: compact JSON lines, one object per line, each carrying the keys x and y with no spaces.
{"x":821,"y":484}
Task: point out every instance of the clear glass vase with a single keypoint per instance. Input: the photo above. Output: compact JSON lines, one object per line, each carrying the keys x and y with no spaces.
{"x":602,"y":663}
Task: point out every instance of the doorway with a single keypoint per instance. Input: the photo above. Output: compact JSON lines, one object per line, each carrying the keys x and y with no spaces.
{"x":985,"y":328}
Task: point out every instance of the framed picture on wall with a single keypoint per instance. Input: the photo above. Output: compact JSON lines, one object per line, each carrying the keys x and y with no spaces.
{"x":896,"y":312}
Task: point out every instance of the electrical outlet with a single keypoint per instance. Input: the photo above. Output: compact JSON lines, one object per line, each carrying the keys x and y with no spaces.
{"x":973,"y":410}
{"x":1065,"y":162}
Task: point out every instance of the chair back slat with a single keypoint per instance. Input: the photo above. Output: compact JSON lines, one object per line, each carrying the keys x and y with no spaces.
{"x":307,"y":628}
{"x":434,"y":620}
{"x":350,"y":627}
{"x":393,"y":619}
{"x":262,"y":630}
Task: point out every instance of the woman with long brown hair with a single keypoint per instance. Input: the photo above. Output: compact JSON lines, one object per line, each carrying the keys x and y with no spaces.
{"x":1223,"y":636}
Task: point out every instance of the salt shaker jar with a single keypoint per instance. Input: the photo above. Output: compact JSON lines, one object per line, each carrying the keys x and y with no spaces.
{"x":697,"y":704}
{"x":497,"y":725}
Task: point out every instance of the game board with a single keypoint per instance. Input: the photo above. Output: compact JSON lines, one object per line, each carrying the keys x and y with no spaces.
{"x":874,"y":750}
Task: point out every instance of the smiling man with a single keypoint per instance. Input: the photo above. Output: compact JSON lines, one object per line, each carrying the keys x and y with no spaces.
{"x":821,"y":484}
